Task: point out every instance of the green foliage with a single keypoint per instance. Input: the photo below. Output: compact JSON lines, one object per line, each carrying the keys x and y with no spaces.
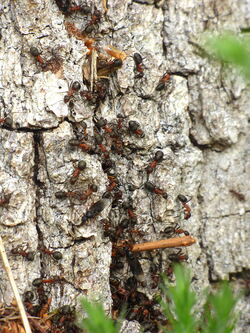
{"x":182,"y":299}
{"x":177,"y":305}
{"x":217,"y":317}
{"x":219,"y":314}
{"x":97,"y":321}
{"x":231,"y":49}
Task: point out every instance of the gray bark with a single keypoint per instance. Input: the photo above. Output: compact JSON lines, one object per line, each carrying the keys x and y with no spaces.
{"x":200,"y":122}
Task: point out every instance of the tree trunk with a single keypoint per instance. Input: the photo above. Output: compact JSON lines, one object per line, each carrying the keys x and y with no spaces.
{"x":199,"y":120}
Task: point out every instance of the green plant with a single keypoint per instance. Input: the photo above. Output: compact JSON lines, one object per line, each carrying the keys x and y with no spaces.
{"x":179,"y":302}
{"x":231,"y":49}
{"x":217,"y":316}
{"x":178,"y":305}
{"x":96,"y":320}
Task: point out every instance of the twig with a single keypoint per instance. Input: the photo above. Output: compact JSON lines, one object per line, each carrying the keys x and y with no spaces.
{"x":164,"y":243}
{"x":93,"y":72}
{"x":104,"y":5}
{"x":14,"y":287}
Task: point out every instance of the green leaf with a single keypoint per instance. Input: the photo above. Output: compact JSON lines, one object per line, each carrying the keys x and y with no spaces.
{"x":219,"y":308}
{"x":178,"y":307}
{"x":231,"y":49}
{"x":96,"y":320}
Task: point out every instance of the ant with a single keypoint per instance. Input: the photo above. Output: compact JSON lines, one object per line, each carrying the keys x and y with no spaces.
{"x":139,"y":65}
{"x":132,"y":216}
{"x":55,"y":254}
{"x":57,"y":279}
{"x":103,"y":149}
{"x":37,"y":54}
{"x":107,"y":229}
{"x":151,"y":188}
{"x":101,"y":89}
{"x":7,"y":121}
{"x":102,"y":124}
{"x":28,"y":297}
{"x":83,"y":9}
{"x":238,"y":195}
{"x":63,"y":5}
{"x":134,"y":265}
{"x":84,"y":146}
{"x":116,"y":264}
{"x":117,"y":198}
{"x":162,"y":83}
{"x":134,"y":127}
{"x":178,"y":257}
{"x":137,"y":232}
{"x":80,"y":167}
{"x":91,"y":189}
{"x":94,"y":210}
{"x":175,"y":230}
{"x":120,"y":121}
{"x":157,"y":159}
{"x":112,"y":183}
{"x":65,"y":195}
{"x":95,"y":19}
{"x":107,"y":164}
{"x":5,"y":200}
{"x":75,"y":86}
{"x":105,"y":68}
{"x":89,"y":96}
{"x":187,"y":209}
{"x":27,"y":255}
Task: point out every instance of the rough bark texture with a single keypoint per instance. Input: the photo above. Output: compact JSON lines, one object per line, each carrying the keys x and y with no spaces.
{"x":200,"y":121}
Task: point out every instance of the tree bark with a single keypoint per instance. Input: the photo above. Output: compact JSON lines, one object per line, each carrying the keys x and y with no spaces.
{"x":200,"y":120}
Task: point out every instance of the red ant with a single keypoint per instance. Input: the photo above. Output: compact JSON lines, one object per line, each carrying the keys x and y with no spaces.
{"x":4,"y":201}
{"x":45,"y":308}
{"x":177,"y":257}
{"x":55,"y":254}
{"x":89,"y":96}
{"x":95,"y":19}
{"x":187,"y":209}
{"x":82,"y":9}
{"x":37,"y":54}
{"x":105,"y":68}
{"x":64,"y":195}
{"x":238,"y":195}
{"x":80,"y":167}
{"x":139,"y":66}
{"x":112,"y":183}
{"x":84,"y":146}
{"x":175,"y":230}
{"x":117,"y":145}
{"x":56,"y":279}
{"x":27,"y":255}
{"x":157,"y":159}
{"x":116,"y":198}
{"x":91,"y":189}
{"x":162,"y":83}
{"x":120,"y":121}
{"x":7,"y":121}
{"x":99,"y":140}
{"x":134,"y":127}
{"x":151,"y":188}
{"x":102,"y":123}
{"x":137,"y":232}
{"x":63,"y":5}
{"x":75,"y":86}
{"x":128,"y":206}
